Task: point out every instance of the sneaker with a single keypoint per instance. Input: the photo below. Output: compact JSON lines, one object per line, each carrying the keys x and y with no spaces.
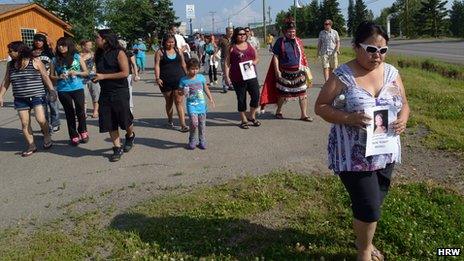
{"x":85,"y":137}
{"x":117,"y":154}
{"x":224,"y":90}
{"x":215,"y":82}
{"x":56,"y":129}
{"x":202,"y":145}
{"x":75,"y":141}
{"x":129,"y":142}
{"x":191,"y":145}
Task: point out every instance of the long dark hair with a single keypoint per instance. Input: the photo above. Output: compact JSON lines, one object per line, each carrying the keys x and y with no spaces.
{"x":165,"y":39}
{"x":111,"y":43}
{"x":68,"y":58}
{"x":24,"y":52}
{"x":235,"y":35}
{"x":46,"y":50}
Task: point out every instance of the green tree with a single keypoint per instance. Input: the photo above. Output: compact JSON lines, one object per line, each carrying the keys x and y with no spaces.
{"x":394,"y":21}
{"x":360,"y":13}
{"x":330,"y":10}
{"x":163,"y":17}
{"x":457,"y":19}
{"x":351,"y":18}
{"x":431,"y":18}
{"x":407,"y":10}
{"x":314,"y":19}
{"x":72,"y":11}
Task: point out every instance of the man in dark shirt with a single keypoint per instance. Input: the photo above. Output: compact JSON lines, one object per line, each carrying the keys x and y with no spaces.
{"x":224,"y":45}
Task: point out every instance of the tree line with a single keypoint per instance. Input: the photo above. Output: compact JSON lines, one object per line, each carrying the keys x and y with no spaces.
{"x":131,"y":19}
{"x":408,"y":18}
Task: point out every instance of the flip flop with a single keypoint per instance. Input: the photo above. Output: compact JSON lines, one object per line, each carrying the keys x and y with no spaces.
{"x":48,"y":145}
{"x":244,"y":125}
{"x":279,"y":116}
{"x":184,"y":129}
{"x":28,"y":152}
{"x":255,"y":122}
{"x":307,"y":118}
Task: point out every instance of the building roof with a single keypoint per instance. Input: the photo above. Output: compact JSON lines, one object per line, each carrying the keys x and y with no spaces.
{"x":7,"y":10}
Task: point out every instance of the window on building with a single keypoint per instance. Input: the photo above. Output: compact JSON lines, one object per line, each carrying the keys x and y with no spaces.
{"x":27,"y":36}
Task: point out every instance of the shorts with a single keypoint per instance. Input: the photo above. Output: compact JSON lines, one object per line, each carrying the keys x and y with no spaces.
{"x":29,"y":103}
{"x":169,"y":87}
{"x":330,"y":60}
{"x":114,"y":112}
{"x":94,"y":90}
{"x":367,"y":191}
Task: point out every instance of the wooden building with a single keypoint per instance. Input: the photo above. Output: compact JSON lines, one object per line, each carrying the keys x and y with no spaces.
{"x":19,"y":22}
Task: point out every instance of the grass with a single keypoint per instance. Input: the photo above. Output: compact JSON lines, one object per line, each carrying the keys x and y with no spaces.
{"x":282,"y":216}
{"x":436,"y":101}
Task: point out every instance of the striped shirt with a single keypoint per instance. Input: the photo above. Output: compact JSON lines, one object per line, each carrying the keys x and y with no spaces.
{"x":26,"y":82}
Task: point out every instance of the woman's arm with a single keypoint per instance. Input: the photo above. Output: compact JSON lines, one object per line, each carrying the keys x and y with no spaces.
{"x":134,"y":67}
{"x":227,"y":66}
{"x":123,"y":66}
{"x":277,"y":72}
{"x":256,"y":60}
{"x":182,"y":61}
{"x":325,"y":110}
{"x":157,"y":68}
{"x":5,"y":84}
{"x":84,"y":70}
{"x":403,"y":115}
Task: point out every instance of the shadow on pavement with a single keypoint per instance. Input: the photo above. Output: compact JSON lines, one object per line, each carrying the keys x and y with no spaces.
{"x":155,"y":143}
{"x":239,"y":238}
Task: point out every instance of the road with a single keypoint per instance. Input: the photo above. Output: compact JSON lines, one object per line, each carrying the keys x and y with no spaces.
{"x":35,"y":189}
{"x":445,"y":50}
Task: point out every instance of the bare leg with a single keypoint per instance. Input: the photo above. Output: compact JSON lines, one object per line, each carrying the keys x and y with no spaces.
{"x":130,"y":131}
{"x":303,"y":106}
{"x":24,"y":116}
{"x":326,"y":73}
{"x":95,"y":110}
{"x":243,"y":116}
{"x":364,"y":235}
{"x":115,"y":138}
{"x":280,"y":103}
{"x":40,"y":117}
{"x":252,"y":113}
{"x":179,"y":101}
{"x":168,"y":96}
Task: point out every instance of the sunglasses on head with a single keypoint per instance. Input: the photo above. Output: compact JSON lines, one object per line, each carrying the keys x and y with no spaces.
{"x":374,"y":49}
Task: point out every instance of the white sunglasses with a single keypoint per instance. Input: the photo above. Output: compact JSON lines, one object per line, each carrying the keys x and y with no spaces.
{"x":374,"y":49}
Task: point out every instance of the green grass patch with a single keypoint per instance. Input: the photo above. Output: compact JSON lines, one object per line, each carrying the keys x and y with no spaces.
{"x":282,"y":216}
{"x":436,"y":101}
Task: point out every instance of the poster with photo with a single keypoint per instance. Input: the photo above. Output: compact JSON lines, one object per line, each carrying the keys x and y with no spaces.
{"x":381,"y":137}
{"x":248,"y":70}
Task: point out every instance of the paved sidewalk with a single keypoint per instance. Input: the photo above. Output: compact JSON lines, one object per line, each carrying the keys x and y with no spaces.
{"x":34,"y":188}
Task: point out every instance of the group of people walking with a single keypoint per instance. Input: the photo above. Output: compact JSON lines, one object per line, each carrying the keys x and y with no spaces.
{"x":41,"y":76}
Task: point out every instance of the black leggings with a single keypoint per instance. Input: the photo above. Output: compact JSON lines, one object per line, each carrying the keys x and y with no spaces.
{"x":78,"y":98}
{"x":367,"y":191}
{"x":212,"y":73}
{"x":241,"y":88}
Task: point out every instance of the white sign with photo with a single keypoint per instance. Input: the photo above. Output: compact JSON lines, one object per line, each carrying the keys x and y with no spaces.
{"x":248,"y":70}
{"x":381,"y":137}
{"x":190,"y":11}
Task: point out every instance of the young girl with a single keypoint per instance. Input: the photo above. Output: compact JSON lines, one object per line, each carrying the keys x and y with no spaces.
{"x":194,"y":86}
{"x":70,"y":69}
{"x":94,"y":89}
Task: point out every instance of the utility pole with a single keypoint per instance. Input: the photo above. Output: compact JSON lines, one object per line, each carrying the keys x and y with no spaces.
{"x":269,"y":14}
{"x":212,"y":15}
{"x":264,"y":21}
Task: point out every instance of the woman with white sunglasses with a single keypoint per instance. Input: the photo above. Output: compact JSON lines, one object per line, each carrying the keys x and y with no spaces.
{"x":365,"y":82}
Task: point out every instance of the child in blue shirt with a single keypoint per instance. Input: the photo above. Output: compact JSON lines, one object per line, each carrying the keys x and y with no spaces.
{"x":195,"y":89}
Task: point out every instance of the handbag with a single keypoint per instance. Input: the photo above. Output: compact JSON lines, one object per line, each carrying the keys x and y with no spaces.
{"x":309,"y":76}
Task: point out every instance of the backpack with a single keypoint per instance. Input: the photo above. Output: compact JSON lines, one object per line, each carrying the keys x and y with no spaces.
{"x":209,"y":49}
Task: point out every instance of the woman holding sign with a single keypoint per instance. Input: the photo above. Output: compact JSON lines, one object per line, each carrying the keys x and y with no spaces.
{"x":369,"y":85}
{"x":240,"y":71}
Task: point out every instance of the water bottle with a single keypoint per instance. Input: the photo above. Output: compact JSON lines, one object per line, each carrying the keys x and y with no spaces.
{"x":339,"y":102}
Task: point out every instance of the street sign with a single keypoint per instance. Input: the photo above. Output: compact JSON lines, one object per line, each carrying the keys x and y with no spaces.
{"x":190,"y":11}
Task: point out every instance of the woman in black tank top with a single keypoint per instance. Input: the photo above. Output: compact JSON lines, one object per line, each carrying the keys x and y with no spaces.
{"x":169,"y":68}
{"x":114,"y":111}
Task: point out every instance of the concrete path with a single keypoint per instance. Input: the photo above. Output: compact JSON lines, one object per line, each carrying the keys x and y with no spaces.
{"x":34,"y":189}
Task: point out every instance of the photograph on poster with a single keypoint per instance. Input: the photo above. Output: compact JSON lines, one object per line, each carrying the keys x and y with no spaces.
{"x":381,"y":122}
{"x":248,"y":70}
{"x":380,"y":139}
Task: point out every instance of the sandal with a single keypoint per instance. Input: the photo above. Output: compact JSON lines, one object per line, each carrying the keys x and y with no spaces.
{"x":184,"y":129}
{"x":255,"y":122}
{"x":47,"y":145}
{"x":29,"y":152}
{"x":307,"y":118}
{"x":279,"y":116}
{"x":244,"y":125}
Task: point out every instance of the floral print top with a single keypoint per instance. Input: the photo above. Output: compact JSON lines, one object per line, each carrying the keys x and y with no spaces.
{"x":347,"y":144}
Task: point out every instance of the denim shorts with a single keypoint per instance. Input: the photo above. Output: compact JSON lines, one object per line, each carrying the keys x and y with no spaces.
{"x":29,"y":103}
